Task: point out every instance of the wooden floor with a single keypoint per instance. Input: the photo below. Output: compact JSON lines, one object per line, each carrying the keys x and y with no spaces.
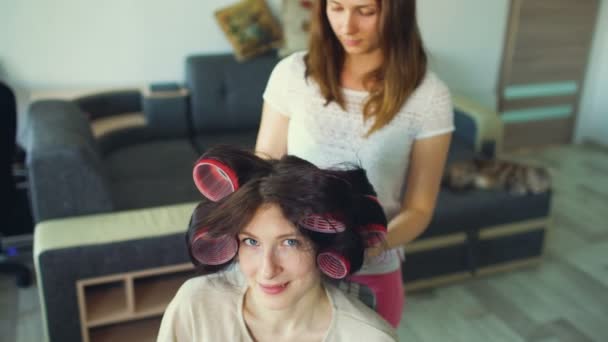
{"x":563,"y":299}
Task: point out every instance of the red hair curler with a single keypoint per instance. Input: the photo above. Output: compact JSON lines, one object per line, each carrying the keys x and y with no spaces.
{"x":325,"y":223}
{"x":373,"y":234}
{"x":213,"y":251}
{"x":214,"y":179}
{"x":373,"y":198}
{"x":333,"y":264}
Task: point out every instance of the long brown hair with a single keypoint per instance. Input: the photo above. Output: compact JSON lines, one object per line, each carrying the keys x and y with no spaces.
{"x":391,"y":84}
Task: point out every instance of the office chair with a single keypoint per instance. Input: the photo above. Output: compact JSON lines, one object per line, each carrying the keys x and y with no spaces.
{"x":8,"y":112}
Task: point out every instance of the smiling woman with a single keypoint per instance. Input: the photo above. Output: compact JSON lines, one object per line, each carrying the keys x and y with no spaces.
{"x":270,"y":237}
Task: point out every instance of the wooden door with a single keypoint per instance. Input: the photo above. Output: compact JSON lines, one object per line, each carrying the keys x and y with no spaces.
{"x":545,"y":56}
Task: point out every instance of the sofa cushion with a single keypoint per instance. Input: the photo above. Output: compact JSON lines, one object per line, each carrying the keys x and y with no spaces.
{"x":227,"y":95}
{"x":116,"y":139}
{"x":460,"y":150}
{"x":485,"y":254}
{"x":152,"y":174}
{"x":475,"y":209}
{"x":151,"y":193}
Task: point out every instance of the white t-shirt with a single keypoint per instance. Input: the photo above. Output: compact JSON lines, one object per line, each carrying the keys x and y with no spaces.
{"x":328,"y":136}
{"x":210,"y":308}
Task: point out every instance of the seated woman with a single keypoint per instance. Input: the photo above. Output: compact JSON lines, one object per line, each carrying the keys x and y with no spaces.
{"x":271,"y":237}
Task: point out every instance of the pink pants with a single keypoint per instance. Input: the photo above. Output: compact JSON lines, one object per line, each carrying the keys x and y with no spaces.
{"x":389,"y":292}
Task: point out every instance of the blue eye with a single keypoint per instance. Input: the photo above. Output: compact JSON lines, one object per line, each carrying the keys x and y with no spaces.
{"x":249,"y":242}
{"x":291,"y":242}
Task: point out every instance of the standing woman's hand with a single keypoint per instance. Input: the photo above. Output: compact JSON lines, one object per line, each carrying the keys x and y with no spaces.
{"x":427,"y":162}
{"x":272,"y":135}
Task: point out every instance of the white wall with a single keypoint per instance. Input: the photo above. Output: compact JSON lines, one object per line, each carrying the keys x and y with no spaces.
{"x":63,"y":45}
{"x":80,"y":44}
{"x":465,"y":41}
{"x":593,"y":110}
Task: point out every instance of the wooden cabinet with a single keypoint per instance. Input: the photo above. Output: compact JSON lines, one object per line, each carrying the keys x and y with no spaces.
{"x":545,"y":57}
{"x":129,"y":306}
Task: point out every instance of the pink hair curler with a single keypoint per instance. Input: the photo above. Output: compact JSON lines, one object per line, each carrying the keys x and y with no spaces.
{"x":214,"y":179}
{"x":373,"y":234}
{"x":373,"y":198}
{"x":326,"y":223}
{"x":333,"y":264}
{"x":213,"y":251}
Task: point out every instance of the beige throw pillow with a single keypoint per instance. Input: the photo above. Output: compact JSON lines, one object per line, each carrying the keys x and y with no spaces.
{"x":250,"y":28}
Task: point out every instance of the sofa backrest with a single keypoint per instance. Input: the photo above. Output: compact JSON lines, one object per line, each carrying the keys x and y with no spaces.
{"x":226,"y":94}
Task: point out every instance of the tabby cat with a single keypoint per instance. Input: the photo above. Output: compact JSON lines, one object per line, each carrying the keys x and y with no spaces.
{"x":493,"y":174}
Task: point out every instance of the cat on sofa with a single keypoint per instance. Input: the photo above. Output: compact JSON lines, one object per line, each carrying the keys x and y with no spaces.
{"x":494,"y":174}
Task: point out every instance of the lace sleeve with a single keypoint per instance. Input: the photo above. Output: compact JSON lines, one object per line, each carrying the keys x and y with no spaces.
{"x":275,"y":94}
{"x":439,"y":116}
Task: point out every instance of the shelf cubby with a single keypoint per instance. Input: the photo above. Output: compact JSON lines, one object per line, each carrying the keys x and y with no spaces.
{"x":105,"y":302}
{"x":128,"y":306}
{"x":153,"y":293}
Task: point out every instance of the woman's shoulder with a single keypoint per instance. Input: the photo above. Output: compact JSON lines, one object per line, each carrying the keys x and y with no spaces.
{"x":432,"y":84}
{"x":203,"y":306}
{"x":431,"y":90}
{"x":204,"y":289}
{"x":355,"y":321}
{"x":293,"y":63}
{"x":296,"y":57}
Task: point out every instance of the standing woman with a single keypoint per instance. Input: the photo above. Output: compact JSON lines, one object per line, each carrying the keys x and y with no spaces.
{"x":362,"y":93}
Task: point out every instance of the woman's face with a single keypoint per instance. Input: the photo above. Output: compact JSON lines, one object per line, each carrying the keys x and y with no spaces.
{"x":277,"y":261}
{"x":355,"y":23}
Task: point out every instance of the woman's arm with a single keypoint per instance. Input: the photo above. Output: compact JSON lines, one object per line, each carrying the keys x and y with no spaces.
{"x":424,"y":179}
{"x":272,"y":135}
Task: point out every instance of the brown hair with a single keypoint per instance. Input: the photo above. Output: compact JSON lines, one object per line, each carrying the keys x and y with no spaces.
{"x":402,"y":70}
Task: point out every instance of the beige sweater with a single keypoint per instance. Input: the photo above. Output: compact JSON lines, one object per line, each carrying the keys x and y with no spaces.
{"x":211,"y":309}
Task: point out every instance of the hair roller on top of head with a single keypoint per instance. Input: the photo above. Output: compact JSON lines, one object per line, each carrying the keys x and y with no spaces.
{"x":214,"y":179}
{"x":222,"y":170}
{"x":323,"y":223}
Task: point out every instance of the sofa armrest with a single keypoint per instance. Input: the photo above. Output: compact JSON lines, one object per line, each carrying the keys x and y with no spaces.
{"x":478,"y":125}
{"x":65,"y":170}
{"x":70,"y":249}
{"x":166,"y":109}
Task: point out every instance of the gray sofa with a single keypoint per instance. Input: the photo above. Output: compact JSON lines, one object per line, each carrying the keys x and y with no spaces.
{"x":73,"y":173}
{"x":119,"y":202}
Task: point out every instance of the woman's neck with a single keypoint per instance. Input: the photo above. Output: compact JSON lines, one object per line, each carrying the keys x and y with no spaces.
{"x":356,"y":68}
{"x":311,"y":313}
